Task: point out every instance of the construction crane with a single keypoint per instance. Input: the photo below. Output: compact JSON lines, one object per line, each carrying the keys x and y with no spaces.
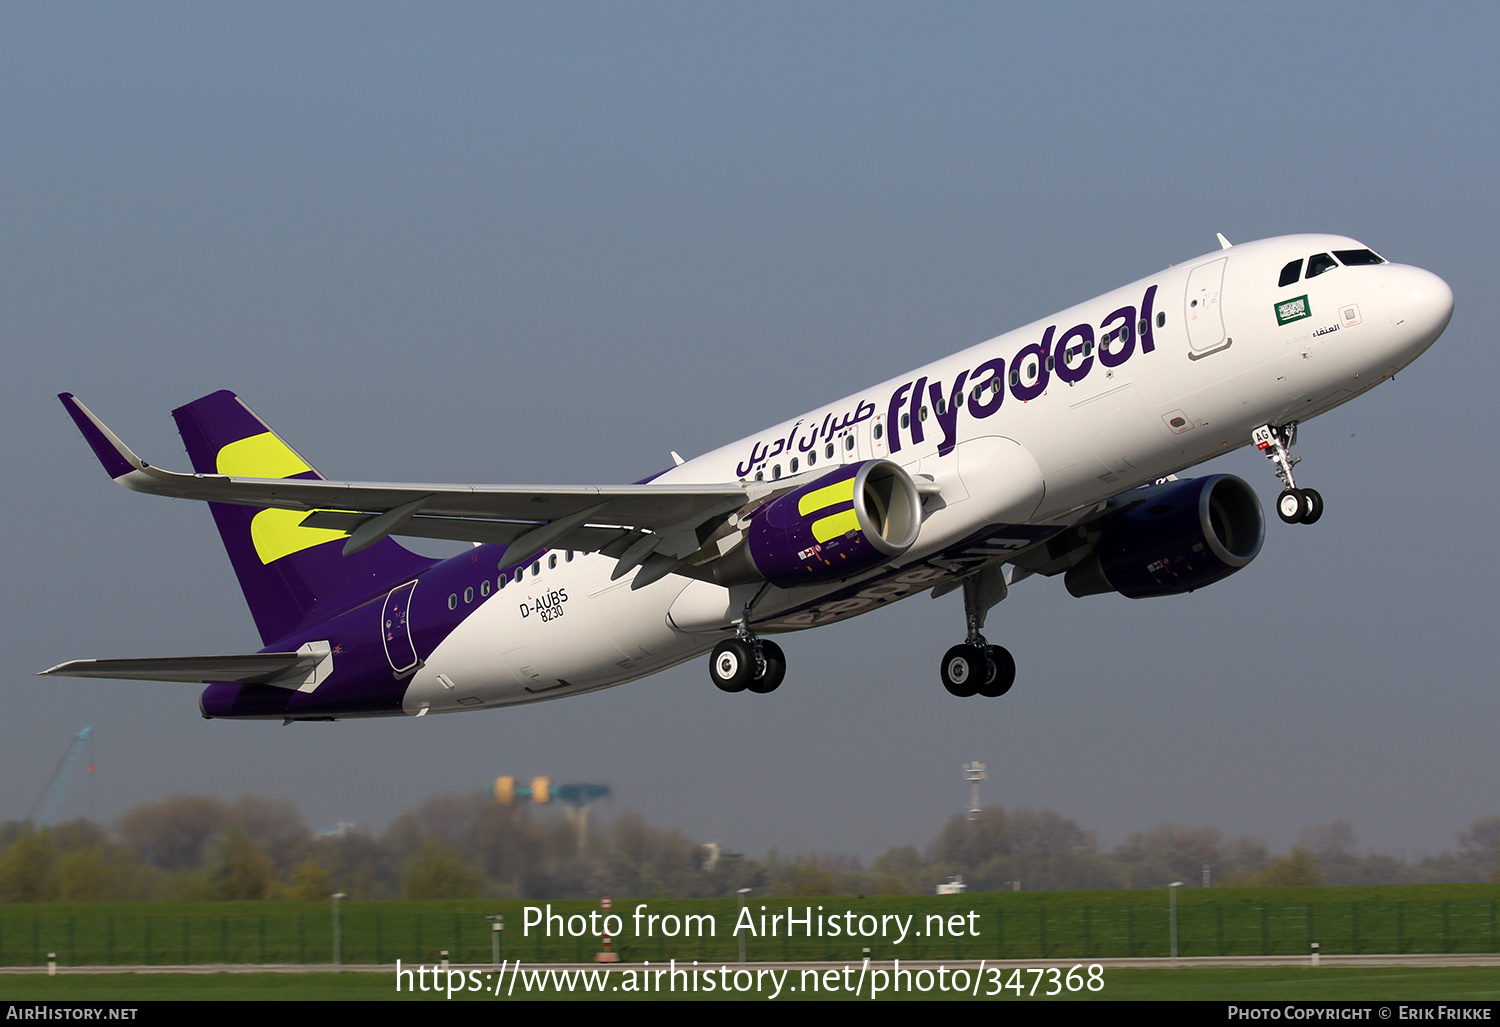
{"x":56,"y":787}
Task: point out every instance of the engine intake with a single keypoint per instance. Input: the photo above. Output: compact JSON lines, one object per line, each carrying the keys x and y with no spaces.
{"x":1192,"y":535}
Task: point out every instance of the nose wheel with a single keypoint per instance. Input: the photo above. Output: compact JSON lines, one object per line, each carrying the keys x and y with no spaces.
{"x":1300,"y":506}
{"x":1294,"y":505}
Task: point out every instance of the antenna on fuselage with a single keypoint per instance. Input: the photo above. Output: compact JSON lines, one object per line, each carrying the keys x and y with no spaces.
{"x":1224,"y":243}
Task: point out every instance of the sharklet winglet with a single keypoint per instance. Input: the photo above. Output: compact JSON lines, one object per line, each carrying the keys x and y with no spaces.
{"x":117,"y":458}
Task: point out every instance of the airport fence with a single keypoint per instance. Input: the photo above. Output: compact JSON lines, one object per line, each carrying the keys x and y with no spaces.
{"x":1056,"y":925}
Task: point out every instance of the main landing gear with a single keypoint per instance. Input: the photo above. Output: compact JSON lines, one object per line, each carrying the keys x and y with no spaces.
{"x":1294,"y":505}
{"x":754,"y":663}
{"x":975,"y":667}
{"x":747,"y":661}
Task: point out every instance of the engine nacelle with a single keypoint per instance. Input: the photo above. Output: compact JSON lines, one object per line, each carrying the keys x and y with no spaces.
{"x":850,"y":520}
{"x":1192,"y":535}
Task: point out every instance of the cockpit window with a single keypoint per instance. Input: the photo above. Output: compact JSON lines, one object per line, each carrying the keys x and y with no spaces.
{"x":1291,"y":273}
{"x":1318,"y":263}
{"x":1354,"y":258}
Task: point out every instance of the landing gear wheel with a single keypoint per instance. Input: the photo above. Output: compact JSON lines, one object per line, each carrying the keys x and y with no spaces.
{"x":1313,"y":503}
{"x":1291,"y":506}
{"x":1000,"y":673}
{"x":963,"y":670}
{"x":733,"y":665}
{"x":775,"y":668}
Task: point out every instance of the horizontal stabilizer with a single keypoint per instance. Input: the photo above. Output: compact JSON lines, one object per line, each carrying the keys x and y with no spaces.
{"x":284,"y":670}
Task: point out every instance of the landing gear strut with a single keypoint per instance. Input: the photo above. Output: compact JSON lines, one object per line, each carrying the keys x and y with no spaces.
{"x":975,"y":667}
{"x":747,"y":660}
{"x":1294,"y":505}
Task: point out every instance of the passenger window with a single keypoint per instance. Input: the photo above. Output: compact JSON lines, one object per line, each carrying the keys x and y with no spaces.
{"x":536,"y":568}
{"x":794,"y":465}
{"x":453,"y":601}
{"x":469,"y":594}
{"x":484,"y":587}
{"x":938,"y":406}
{"x":500,"y":582}
{"x":760,"y":475}
{"x":848,"y":442}
{"x":905,"y":420}
{"x":1161,"y":320}
{"x":1318,"y":263}
{"x":570,"y":556}
{"x":552,"y":562}
{"x":828,"y":451}
{"x":812,"y":458}
{"x":776,"y":472}
{"x":1355,"y":258}
{"x":879,"y":430}
{"x":1291,"y":273}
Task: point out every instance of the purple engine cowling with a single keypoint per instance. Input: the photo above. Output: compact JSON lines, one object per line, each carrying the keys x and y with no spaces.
{"x":1196,"y":533}
{"x":848,"y":521}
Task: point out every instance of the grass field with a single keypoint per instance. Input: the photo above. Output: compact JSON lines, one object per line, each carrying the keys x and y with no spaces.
{"x":1466,"y":984}
{"x":1005,"y":925}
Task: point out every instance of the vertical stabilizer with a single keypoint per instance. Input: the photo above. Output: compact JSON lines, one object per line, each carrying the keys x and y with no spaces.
{"x":290,"y":574}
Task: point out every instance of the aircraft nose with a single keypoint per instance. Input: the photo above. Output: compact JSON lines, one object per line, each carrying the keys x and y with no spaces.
{"x":1423,"y":303}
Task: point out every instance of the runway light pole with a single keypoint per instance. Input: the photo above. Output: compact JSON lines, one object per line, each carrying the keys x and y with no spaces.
{"x":338,"y":934}
{"x":1172,"y":902}
{"x":742,"y":893}
{"x":497,"y":924}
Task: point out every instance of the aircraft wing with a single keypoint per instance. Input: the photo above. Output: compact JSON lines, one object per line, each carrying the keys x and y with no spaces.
{"x":656,"y":526}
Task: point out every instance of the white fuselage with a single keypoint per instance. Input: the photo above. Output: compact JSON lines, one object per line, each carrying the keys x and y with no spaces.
{"x":1221,"y":364}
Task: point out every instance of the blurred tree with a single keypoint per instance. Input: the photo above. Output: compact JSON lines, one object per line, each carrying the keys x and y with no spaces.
{"x":240,"y":867}
{"x":1297,"y":868}
{"x":26,"y":868}
{"x":310,"y":880}
{"x":176,"y":833}
{"x":437,"y":872}
{"x":1482,"y":841}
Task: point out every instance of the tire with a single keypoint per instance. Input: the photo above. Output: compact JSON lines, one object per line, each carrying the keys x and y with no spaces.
{"x":1291,"y":506}
{"x":732,"y":665}
{"x":1314,"y":506}
{"x":1001,"y":672}
{"x":963,"y":670}
{"x":775,"y":668}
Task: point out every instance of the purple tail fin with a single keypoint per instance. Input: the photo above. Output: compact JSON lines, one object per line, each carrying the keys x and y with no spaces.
{"x":291,"y":575}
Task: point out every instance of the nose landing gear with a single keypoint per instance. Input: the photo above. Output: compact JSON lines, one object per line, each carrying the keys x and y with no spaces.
{"x":1294,"y":505}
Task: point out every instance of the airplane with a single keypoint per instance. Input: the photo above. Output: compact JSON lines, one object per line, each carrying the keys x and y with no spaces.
{"x":1052,"y":449}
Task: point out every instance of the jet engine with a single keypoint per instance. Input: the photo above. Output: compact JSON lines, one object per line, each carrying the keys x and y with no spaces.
{"x":848,"y":521}
{"x":1191,"y":535}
